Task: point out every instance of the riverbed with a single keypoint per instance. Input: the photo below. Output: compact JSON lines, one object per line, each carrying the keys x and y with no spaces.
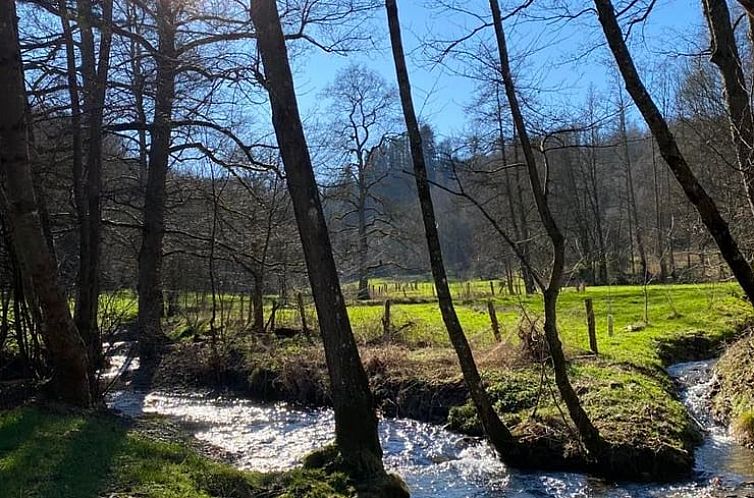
{"x":433,"y":461}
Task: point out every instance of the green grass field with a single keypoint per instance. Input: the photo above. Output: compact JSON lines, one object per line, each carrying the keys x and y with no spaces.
{"x":641,"y":316}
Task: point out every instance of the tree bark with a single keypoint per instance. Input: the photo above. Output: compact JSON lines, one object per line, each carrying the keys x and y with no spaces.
{"x":94,"y":70}
{"x":666,"y":143}
{"x":497,"y":433}
{"x":588,"y":432}
{"x":355,"y":419}
{"x":67,"y":350}
{"x":150,"y":255}
{"x":726,"y":57}
{"x":257,"y":302}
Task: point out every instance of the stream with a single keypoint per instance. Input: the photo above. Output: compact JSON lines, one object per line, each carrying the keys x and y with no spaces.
{"x":433,"y":461}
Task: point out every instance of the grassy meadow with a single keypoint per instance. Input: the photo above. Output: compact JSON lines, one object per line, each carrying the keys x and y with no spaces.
{"x":641,"y":316}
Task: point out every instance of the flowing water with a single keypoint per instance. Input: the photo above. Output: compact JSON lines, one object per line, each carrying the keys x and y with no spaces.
{"x":433,"y":461}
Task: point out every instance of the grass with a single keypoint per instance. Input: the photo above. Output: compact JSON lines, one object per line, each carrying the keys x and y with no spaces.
{"x":630,"y":398}
{"x":673,"y":310}
{"x":714,"y":310}
{"x":50,"y":454}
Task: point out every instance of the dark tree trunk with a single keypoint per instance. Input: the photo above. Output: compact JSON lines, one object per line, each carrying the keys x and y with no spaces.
{"x":94,"y":71}
{"x":589,"y":434}
{"x":257,"y":303}
{"x":497,"y":433}
{"x":355,"y":419}
{"x":150,"y":255}
{"x":38,"y":266}
{"x":526,"y":274}
{"x":725,"y":56}
{"x":666,"y":143}
{"x":363,"y":292}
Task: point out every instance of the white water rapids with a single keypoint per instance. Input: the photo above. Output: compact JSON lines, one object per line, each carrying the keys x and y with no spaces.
{"x":433,"y":461}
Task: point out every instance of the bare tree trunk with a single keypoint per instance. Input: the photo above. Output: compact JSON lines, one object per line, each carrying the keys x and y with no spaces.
{"x":666,"y":143}
{"x":661,"y":246}
{"x":150,"y":255}
{"x":67,"y":350}
{"x":497,"y":433}
{"x":631,"y":193}
{"x":94,"y":71}
{"x":526,"y":274}
{"x":725,"y":56}
{"x":588,"y":432}
{"x":257,"y":303}
{"x":355,"y":419}
{"x":594,"y":202}
{"x":363,"y":292}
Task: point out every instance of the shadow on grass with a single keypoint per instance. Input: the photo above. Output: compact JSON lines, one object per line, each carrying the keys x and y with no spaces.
{"x":51,"y":455}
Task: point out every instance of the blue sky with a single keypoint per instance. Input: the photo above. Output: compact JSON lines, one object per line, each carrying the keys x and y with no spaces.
{"x":441,"y":96}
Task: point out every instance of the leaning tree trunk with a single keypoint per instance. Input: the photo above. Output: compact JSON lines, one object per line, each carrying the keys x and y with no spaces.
{"x":725,"y":56}
{"x":497,"y":433}
{"x":355,"y":419}
{"x":67,"y":350}
{"x":150,"y":255}
{"x":666,"y":143}
{"x":588,"y":432}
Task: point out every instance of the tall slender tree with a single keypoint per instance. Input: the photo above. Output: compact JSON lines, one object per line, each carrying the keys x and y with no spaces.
{"x":150,"y":255}
{"x":22,"y":213}
{"x":497,"y":433}
{"x":708,"y":211}
{"x":355,"y":419}
{"x":588,"y":432}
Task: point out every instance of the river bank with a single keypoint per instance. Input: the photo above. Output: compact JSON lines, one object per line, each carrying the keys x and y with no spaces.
{"x":636,"y":406}
{"x":432,"y":460}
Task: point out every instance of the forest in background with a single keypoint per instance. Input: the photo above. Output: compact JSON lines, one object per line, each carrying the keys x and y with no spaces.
{"x":138,"y":163}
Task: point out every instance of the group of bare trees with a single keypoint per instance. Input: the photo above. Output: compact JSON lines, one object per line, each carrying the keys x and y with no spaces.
{"x":128,"y":162}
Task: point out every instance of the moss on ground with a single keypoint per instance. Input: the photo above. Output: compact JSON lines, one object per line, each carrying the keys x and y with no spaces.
{"x":46,"y":453}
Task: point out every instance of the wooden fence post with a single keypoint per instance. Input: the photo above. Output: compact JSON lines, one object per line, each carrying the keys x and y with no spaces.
{"x":386,"y":321}
{"x":493,"y":320}
{"x":591,"y":325}
{"x":492,"y":288}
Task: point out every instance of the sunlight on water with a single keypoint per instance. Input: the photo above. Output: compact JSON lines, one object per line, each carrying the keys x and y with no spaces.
{"x":433,"y":461}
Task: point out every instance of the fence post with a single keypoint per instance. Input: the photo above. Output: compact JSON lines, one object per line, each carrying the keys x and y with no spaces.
{"x":493,"y":320}
{"x":591,"y":325}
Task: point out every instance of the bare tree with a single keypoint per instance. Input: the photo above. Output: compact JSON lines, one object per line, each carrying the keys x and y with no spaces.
{"x":726,"y":57}
{"x":20,"y":209}
{"x":497,"y":433}
{"x":355,"y":420}
{"x":362,"y":105}
{"x":706,"y":207}
{"x":588,"y":432}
